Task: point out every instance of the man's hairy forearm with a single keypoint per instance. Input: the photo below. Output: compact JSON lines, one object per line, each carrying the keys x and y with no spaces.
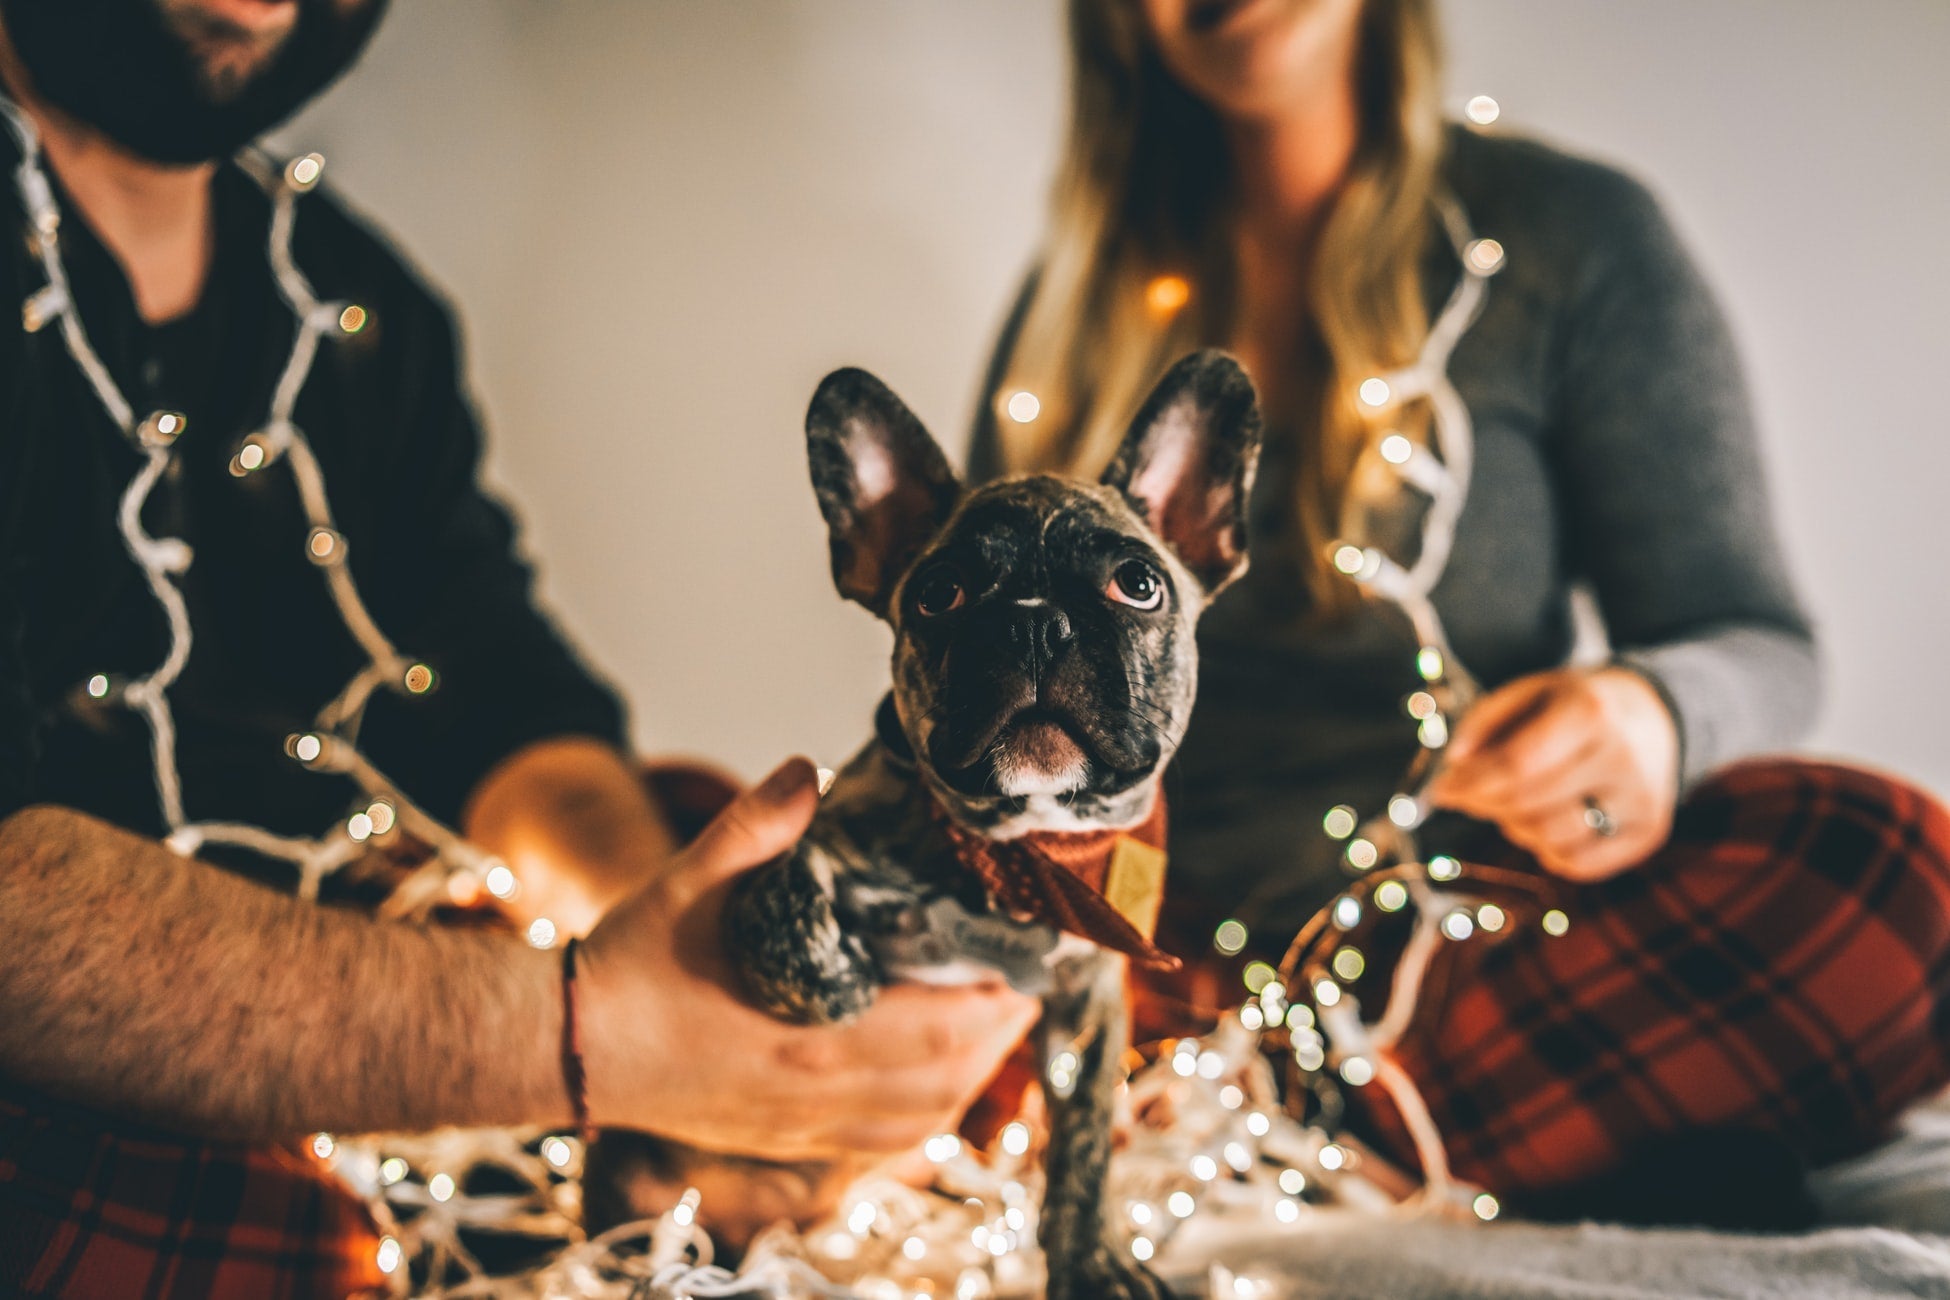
{"x":153,"y":986}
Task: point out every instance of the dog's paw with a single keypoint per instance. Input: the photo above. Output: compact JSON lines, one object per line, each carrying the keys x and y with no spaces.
{"x":793,"y":956}
{"x":1104,"y":1275}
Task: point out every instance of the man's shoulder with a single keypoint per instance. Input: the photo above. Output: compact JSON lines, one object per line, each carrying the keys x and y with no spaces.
{"x":348,"y":256}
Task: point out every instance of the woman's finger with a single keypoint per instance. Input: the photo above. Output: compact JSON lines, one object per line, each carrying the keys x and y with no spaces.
{"x":1501,"y":709}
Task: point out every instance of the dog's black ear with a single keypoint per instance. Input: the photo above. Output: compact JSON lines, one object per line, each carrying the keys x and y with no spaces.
{"x":882,"y":483}
{"x":1188,"y":461}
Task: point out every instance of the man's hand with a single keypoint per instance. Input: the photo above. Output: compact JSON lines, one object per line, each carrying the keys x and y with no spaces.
{"x":1529,"y":756}
{"x":670,"y":1047}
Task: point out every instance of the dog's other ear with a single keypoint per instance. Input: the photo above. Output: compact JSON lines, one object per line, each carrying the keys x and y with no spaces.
{"x":1188,"y":461}
{"x":882,"y":483}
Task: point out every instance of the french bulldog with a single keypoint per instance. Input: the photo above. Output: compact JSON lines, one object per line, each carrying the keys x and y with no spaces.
{"x":1006,"y":818}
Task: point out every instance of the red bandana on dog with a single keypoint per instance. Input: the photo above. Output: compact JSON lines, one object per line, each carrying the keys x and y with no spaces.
{"x":1106,"y":886}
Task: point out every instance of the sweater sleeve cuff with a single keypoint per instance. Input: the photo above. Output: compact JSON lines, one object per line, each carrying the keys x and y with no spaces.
{"x":1733,"y":693}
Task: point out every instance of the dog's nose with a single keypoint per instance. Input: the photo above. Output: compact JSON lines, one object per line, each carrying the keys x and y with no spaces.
{"x":1039,"y":631}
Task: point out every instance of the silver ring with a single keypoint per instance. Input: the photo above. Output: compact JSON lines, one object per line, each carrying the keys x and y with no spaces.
{"x":1598,"y":819}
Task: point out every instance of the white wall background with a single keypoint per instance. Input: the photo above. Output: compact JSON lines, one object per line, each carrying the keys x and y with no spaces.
{"x":663,"y":220}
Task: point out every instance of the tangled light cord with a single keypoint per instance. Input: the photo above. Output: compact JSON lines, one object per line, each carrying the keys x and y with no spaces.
{"x":1208,"y":1146}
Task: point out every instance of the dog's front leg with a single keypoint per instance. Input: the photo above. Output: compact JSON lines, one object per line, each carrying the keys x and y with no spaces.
{"x":1083,"y":1036}
{"x":796,"y":958}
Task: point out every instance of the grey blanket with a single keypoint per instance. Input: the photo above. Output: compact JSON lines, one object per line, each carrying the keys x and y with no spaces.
{"x":1889,"y":1236}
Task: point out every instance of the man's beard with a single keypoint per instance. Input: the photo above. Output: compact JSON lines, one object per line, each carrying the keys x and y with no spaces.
{"x":120,"y":67}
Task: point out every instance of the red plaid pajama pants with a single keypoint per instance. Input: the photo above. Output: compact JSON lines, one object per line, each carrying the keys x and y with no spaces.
{"x":91,"y":1208}
{"x":1781,"y":968}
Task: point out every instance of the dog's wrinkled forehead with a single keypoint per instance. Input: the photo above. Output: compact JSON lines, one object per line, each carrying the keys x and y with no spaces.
{"x":1044,"y":525}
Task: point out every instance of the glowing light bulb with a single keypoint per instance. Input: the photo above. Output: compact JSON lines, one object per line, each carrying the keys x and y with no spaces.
{"x":1375,"y":392}
{"x":1023,"y":406}
{"x":391,"y":1170}
{"x":1339,"y":821}
{"x":1141,"y":1214}
{"x":1204,"y":1168}
{"x":1181,"y":1205}
{"x":382,"y":816}
{"x":1420,"y":705}
{"x":1357,"y":1071}
{"x":303,"y":173}
{"x":1326,"y":993}
{"x":306,"y":748}
{"x":441,"y":1187}
{"x":1434,"y":732}
{"x":1482,"y":110}
{"x":1292,"y":1182}
{"x":1486,"y":1206}
{"x":1349,"y":964}
{"x":1332,"y":1157}
{"x":419,"y":679}
{"x":556,"y":1152}
{"x":1286,"y":1211}
{"x":323,"y":1146}
{"x":500,"y":881}
{"x":1556,"y":923}
{"x":1362,"y":854}
{"x":1350,"y":559}
{"x":1490,"y":917}
{"x":1258,"y":1125}
{"x":541,"y":933}
{"x":250,"y":456}
{"x":1231,"y":1097}
{"x":1299,"y":1017}
{"x":1428,"y":662}
{"x":1142,"y":1247}
{"x":1391,"y":896}
{"x":1458,"y":926}
{"x":1444,"y":868}
{"x":1483,"y":255}
{"x":388,"y":1255}
{"x":353,"y":318}
{"x":1230,"y":937}
{"x":98,"y":686}
{"x":1211,"y":1065}
{"x":914,"y":1248}
{"x":1015,"y":1139}
{"x":1251,"y":1017}
{"x":1396,"y":449}
{"x":943,"y":1147}
{"x":323,"y":545}
{"x":1347,"y":911}
{"x":1404,"y":811}
{"x":1258,"y":975}
{"x":1166,"y":294}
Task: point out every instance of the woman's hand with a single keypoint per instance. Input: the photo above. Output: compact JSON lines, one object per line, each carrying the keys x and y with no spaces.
{"x":670,"y":1047}
{"x":1534,"y":756}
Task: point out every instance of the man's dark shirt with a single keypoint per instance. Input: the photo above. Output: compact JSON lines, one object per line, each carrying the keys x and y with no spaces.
{"x":433,"y":557}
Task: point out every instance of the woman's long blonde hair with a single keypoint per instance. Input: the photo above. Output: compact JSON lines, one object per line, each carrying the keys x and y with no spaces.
{"x":1137,"y":268}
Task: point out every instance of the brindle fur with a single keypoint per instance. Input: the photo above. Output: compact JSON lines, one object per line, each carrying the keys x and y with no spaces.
{"x":873,"y":894}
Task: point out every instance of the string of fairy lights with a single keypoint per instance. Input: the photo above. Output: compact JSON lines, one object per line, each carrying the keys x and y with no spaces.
{"x":1209,"y":1142}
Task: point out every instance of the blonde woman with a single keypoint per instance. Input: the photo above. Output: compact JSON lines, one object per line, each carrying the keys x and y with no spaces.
{"x":1762,"y":947}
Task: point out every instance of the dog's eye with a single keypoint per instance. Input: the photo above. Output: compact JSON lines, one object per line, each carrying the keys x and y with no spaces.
{"x":938,"y":590}
{"x":1136,"y":584}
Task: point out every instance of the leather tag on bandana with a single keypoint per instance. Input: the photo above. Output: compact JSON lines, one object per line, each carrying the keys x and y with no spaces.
{"x":1135,"y":884}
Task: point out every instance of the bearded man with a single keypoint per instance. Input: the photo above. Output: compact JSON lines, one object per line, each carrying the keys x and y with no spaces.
{"x":172,"y":1024}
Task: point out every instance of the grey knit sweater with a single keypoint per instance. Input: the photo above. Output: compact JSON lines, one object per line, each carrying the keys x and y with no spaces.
{"x":1614,"y":447}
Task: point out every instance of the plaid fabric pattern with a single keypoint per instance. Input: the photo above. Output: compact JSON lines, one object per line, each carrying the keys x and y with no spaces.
{"x":1781,"y":967}
{"x":88,"y":1211}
